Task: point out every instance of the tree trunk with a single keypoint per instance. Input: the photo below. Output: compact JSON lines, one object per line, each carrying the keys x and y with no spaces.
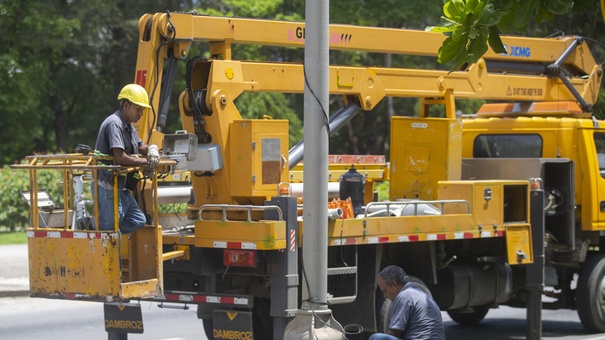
{"x":59,"y":124}
{"x":56,"y":106}
{"x":371,"y":133}
{"x":353,"y":146}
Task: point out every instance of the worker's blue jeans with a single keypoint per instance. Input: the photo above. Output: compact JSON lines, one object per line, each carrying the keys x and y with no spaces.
{"x":131,"y":217}
{"x":382,"y":336}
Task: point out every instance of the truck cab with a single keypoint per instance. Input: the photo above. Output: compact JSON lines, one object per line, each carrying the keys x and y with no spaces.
{"x":565,"y":147}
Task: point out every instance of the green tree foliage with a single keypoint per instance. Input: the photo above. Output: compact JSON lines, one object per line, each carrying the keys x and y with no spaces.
{"x":368,"y":132}
{"x":473,"y":24}
{"x":62,"y":64}
{"x":584,"y":19}
{"x":14,"y":216}
{"x":271,"y":105}
{"x":53,"y":48}
{"x":259,"y":105}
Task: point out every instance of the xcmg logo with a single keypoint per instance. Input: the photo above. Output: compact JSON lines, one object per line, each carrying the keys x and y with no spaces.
{"x":517,"y":51}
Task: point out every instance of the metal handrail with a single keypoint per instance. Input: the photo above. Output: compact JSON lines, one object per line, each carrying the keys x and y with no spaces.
{"x":232,"y":207}
{"x":71,"y":164}
{"x":442,"y":203}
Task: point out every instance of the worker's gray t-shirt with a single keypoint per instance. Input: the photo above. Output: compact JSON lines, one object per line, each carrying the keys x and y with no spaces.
{"x":115,"y":133}
{"x":416,"y":315}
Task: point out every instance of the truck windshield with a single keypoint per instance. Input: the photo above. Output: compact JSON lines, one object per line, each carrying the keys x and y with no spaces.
{"x":508,"y":146}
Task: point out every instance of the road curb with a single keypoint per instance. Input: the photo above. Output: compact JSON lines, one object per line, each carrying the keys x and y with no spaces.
{"x":14,"y":293}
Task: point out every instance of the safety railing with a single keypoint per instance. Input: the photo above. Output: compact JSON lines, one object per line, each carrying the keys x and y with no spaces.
{"x":75,"y":167}
{"x":415,"y":204}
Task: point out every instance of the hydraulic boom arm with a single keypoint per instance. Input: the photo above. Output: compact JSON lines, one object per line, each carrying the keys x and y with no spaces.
{"x":517,"y":76}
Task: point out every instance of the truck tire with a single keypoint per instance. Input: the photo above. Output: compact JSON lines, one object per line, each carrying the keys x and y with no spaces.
{"x":469,"y":317}
{"x":590,"y":294}
{"x":384,"y":316}
{"x":387,"y":306}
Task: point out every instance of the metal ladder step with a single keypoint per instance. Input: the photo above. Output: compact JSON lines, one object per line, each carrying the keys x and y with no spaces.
{"x":341,"y":299}
{"x":348,"y":270}
{"x":342,"y":270}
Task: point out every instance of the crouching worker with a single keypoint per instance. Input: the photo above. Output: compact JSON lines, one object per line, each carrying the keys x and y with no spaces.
{"x":118,"y":138}
{"x":415,"y":315}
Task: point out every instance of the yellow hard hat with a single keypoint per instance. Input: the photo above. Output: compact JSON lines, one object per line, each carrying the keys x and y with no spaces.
{"x":136,"y":94}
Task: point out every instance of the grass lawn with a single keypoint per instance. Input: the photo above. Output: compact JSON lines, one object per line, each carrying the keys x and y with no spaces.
{"x":13,"y":238}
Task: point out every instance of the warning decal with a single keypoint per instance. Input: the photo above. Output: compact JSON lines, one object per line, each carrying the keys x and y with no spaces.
{"x":524,"y":91}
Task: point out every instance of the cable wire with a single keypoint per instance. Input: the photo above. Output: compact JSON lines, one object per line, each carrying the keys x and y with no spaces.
{"x":325,"y":114}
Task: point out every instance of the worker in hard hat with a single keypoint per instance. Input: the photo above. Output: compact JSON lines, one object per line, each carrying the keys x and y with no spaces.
{"x":118,"y":138}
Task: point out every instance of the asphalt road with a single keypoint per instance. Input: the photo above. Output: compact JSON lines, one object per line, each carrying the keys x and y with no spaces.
{"x":14,"y":270}
{"x":23,"y":318}
{"x":506,"y":323}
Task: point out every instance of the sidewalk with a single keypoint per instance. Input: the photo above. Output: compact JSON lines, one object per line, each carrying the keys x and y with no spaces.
{"x":14,"y":271}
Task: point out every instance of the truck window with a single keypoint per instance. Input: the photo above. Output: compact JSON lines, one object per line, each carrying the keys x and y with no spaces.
{"x":599,"y":142}
{"x":508,"y":146}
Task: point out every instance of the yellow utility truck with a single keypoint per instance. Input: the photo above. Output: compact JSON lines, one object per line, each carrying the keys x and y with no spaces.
{"x":465,"y":215}
{"x":565,"y":147}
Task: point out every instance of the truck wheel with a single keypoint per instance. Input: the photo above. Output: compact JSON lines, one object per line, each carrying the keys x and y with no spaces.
{"x":421,"y":285}
{"x":469,"y":317}
{"x":590,"y":294}
{"x":384,"y":316}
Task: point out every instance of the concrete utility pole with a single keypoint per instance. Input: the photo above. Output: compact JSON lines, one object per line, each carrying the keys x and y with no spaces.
{"x":316,"y":101}
{"x":314,"y":319}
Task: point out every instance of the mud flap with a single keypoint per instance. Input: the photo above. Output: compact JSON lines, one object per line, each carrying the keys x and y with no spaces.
{"x":123,"y":318}
{"x":232,"y":325}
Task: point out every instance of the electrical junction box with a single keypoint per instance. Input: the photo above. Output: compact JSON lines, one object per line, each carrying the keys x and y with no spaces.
{"x":180,"y":143}
{"x":180,"y":147}
{"x":258,"y":151}
{"x":208,"y":158}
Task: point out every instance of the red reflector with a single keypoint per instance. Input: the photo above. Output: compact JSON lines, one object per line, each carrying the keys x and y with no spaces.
{"x":239,"y":258}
